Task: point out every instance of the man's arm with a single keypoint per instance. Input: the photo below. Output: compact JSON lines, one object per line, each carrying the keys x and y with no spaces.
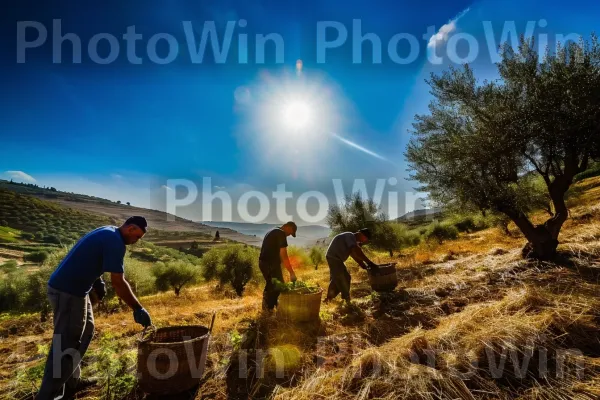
{"x":124,"y":291}
{"x":283,"y":255}
{"x":359,"y":256}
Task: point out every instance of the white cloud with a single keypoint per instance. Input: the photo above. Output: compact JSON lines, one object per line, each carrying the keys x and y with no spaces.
{"x":18,"y":176}
{"x":165,"y":187}
{"x":116,"y":176}
{"x":445,"y":31}
{"x":219,"y":187}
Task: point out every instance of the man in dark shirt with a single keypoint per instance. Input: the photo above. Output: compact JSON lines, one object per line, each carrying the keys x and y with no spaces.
{"x":272,"y":254}
{"x":100,"y":251}
{"x":343,"y":246}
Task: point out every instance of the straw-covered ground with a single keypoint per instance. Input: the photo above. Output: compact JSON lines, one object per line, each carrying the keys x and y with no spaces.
{"x":469,"y":320}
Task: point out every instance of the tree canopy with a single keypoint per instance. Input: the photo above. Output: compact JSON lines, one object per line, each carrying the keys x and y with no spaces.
{"x":482,"y":144}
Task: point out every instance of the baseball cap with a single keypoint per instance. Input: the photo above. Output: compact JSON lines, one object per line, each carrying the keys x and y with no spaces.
{"x":138,"y":221}
{"x":366,"y":232}
{"x":292,"y":225}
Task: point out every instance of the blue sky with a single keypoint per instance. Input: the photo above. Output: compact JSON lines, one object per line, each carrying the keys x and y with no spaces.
{"x":121,"y":131}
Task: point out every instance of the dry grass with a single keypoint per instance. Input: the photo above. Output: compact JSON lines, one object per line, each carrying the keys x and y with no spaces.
{"x":460,"y":306}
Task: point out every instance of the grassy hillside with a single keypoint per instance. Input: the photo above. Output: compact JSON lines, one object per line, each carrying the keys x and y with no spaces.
{"x":46,"y":221}
{"x":469,"y":320}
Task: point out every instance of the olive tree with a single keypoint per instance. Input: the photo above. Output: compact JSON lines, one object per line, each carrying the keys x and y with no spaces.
{"x":481,"y":142}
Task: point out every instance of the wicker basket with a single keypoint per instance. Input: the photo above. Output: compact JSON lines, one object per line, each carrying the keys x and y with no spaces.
{"x":299,"y":307}
{"x":384,"y":279}
{"x":172,"y":360}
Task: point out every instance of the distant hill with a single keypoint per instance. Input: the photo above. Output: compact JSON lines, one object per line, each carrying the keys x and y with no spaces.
{"x":306,"y":234}
{"x":95,"y":211}
{"x":420,"y":217}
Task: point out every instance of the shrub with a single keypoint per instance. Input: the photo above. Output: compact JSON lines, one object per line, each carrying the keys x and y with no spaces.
{"x":9,"y":266}
{"x":211,"y":261}
{"x":317,"y":256}
{"x":3,"y":222}
{"x":441,"y":232}
{"x":589,"y":173}
{"x":13,"y":291}
{"x":36,"y":299}
{"x":36,"y":257}
{"x":237,"y":267}
{"x":27,"y":236}
{"x":140,"y":276}
{"x":175,"y":275}
{"x":52,"y":239}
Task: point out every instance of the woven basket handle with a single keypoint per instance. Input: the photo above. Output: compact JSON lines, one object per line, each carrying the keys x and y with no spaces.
{"x":212,"y":322}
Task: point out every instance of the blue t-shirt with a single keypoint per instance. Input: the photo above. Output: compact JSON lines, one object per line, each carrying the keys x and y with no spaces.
{"x":100,"y":251}
{"x":341,"y":245}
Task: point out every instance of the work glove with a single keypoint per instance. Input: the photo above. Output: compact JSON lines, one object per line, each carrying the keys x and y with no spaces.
{"x":99,"y":288}
{"x":142,"y":317}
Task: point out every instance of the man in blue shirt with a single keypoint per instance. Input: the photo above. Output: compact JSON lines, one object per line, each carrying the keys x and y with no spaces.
{"x":100,"y":251}
{"x":342,"y":246}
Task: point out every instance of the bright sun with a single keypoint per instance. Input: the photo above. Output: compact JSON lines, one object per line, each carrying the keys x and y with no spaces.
{"x":296,"y":115}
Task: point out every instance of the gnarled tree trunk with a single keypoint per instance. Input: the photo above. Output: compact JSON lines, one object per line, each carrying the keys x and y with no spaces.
{"x":543,"y":239}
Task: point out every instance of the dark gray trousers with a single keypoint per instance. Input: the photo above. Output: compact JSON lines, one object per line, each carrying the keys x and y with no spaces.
{"x":339,"y":279}
{"x":73,"y":332}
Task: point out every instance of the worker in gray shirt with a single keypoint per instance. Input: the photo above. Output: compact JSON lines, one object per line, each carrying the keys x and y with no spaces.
{"x":342,"y":246}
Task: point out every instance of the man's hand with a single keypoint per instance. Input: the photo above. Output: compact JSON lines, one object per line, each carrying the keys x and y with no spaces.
{"x":100,"y":288}
{"x":293,"y":276}
{"x":142,"y":317}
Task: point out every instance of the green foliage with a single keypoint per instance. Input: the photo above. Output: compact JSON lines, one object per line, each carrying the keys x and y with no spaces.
{"x":357,"y":213}
{"x":354,"y":214}
{"x":407,"y":237}
{"x":238,"y":266}
{"x":211,"y":261}
{"x":317,"y":256}
{"x":507,"y":145}
{"x":234,"y":264}
{"x":140,"y":277}
{"x":8,"y":235}
{"x":36,"y":257}
{"x":13,"y":292}
{"x":9,"y":266}
{"x":27,"y":236}
{"x":300,"y":287}
{"x":469,"y":223}
{"x":46,"y":221}
{"x":441,"y":232}
{"x":591,"y":172}
{"x":175,"y":275}
{"x":113,"y":366}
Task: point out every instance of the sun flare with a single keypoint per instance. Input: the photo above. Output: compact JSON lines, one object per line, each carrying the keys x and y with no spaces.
{"x":296,"y":115}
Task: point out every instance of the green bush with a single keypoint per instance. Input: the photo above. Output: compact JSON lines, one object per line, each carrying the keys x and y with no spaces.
{"x":317,"y":256}
{"x":237,"y":267}
{"x":211,"y":261}
{"x":175,"y":275}
{"x":13,"y":292}
{"x":9,"y":266}
{"x":52,"y":239}
{"x":589,"y":173}
{"x":27,"y":236}
{"x":441,"y":232}
{"x":36,"y":257}
{"x":140,"y":277}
